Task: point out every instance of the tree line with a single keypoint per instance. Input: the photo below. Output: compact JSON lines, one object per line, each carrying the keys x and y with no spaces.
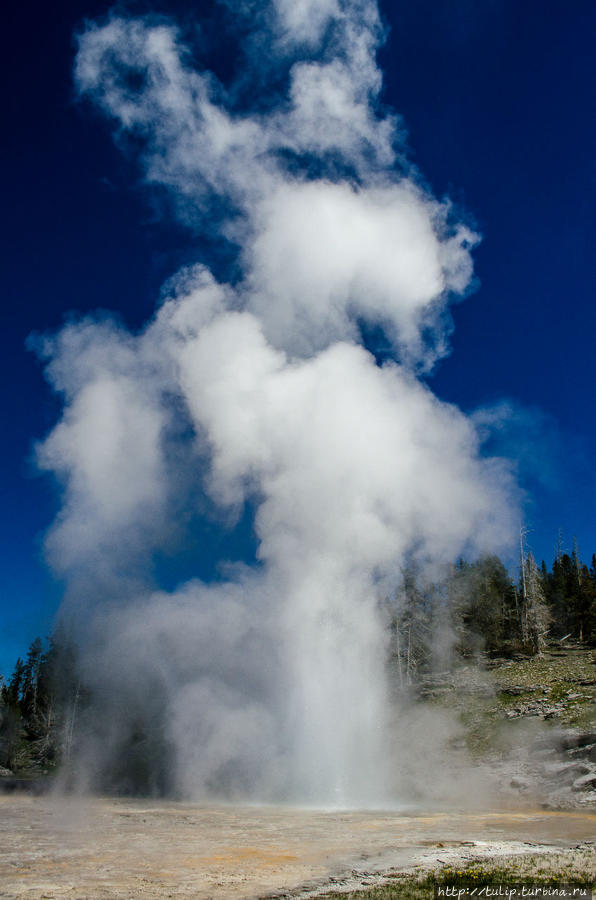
{"x":471,"y":608}
{"x":38,"y":708}
{"x":478,"y":607}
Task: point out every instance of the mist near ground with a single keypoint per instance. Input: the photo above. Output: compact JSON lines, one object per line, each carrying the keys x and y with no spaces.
{"x":260,"y":397}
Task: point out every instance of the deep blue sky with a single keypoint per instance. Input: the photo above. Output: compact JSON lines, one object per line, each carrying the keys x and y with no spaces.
{"x":498,"y":101}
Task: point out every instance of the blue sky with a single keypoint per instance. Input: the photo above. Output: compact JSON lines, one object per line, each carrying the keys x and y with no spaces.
{"x":498,"y":102}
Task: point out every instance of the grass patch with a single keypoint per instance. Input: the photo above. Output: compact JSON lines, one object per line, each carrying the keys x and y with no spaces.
{"x":544,"y":871}
{"x":549,"y":671}
{"x":556,"y":683}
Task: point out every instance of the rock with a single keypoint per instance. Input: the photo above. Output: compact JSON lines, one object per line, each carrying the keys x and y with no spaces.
{"x":585,"y":783}
{"x":565,"y":740}
{"x":586,"y":752}
{"x":5,"y":773}
{"x":520,"y":783}
{"x":577,"y":739}
{"x":514,"y":690}
{"x":498,"y":662}
{"x":565,"y":773}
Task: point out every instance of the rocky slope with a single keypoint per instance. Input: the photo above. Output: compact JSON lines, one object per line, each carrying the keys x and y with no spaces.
{"x":531,"y":720}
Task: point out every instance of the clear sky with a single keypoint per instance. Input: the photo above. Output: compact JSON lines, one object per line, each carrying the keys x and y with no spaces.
{"x":498,"y":102}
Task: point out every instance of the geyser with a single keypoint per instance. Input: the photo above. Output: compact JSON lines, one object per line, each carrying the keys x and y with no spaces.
{"x":258,"y":398}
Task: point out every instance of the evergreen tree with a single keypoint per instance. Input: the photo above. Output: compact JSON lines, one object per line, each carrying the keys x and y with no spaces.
{"x":483,"y":602}
{"x":30,"y":682}
{"x":38,"y":707}
{"x":11,"y":722}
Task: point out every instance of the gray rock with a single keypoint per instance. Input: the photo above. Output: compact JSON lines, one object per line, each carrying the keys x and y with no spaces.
{"x":565,"y":740}
{"x":5,"y":773}
{"x":586,"y":752}
{"x":520,"y":783}
{"x":578,"y":739}
{"x":585,"y":783}
{"x":515,"y":690}
{"x":565,"y":773}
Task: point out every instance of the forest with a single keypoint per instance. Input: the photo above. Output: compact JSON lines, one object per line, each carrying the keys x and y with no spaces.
{"x":475,"y":609}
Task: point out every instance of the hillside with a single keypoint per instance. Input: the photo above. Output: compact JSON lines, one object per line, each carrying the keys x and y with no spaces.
{"x":531,"y":720}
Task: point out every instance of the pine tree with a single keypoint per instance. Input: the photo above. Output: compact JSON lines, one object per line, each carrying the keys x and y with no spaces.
{"x":39,"y":707}
{"x":30,"y":683}
{"x":11,"y":722}
{"x":483,"y":603}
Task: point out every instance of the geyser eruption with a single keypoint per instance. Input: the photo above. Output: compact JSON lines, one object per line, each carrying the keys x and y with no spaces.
{"x":258,"y":399}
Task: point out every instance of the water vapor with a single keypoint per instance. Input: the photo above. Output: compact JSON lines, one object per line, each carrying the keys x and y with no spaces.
{"x":259,"y":397}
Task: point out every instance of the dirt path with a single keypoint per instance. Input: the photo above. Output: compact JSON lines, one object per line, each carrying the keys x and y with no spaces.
{"x":98,"y":848}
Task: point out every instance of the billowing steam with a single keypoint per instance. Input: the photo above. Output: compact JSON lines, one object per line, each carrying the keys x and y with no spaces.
{"x":258,"y":398}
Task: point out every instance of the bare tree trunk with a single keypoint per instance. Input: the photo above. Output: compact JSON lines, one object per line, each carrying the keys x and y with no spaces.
{"x":522,"y":563}
{"x":71,"y":725}
{"x":398,"y":650}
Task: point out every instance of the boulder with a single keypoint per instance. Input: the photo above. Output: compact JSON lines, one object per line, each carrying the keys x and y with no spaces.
{"x":585,"y":783}
{"x":565,"y":773}
{"x":515,"y":690}
{"x":577,"y":739}
{"x":588,"y":751}
{"x":521,"y":783}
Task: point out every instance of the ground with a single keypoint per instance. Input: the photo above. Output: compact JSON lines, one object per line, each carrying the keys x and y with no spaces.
{"x":101,"y":848}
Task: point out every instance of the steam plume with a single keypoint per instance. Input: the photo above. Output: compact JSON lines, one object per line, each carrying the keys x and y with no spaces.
{"x":268,"y":682}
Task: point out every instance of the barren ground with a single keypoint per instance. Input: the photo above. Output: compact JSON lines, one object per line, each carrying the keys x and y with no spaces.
{"x":100,"y":848}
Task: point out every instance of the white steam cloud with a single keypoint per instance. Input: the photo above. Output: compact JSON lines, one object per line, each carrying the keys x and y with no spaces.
{"x":268,"y":683}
